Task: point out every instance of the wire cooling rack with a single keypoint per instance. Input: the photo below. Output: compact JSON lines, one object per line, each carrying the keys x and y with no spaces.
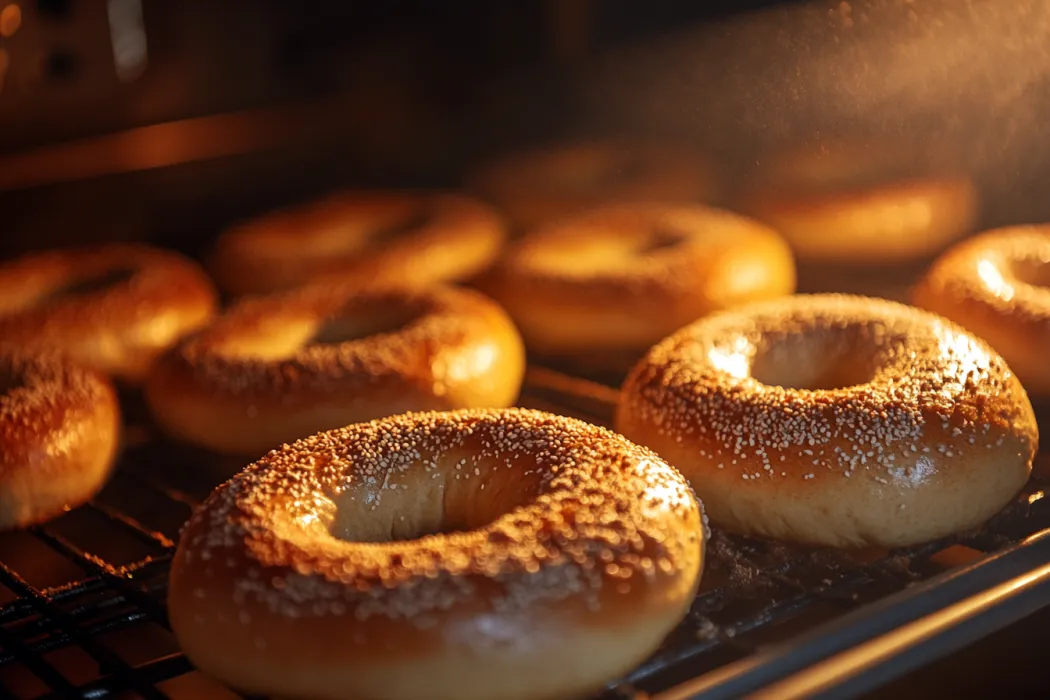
{"x":82,"y":598}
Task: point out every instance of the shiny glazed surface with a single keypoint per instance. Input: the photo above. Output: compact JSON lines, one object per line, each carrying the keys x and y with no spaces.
{"x":835,"y":420}
{"x":623,"y":277}
{"x":471,"y":554}
{"x":277,"y":368}
{"x":59,"y":427}
{"x":997,"y":285}
{"x":114,"y":308}
{"x":359,"y":236}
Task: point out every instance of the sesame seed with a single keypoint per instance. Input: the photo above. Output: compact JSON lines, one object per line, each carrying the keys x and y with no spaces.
{"x":632,"y":524}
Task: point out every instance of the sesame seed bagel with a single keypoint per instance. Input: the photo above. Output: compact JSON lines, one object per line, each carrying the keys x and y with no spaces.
{"x":359,"y":236}
{"x":623,"y":277}
{"x":489,"y":554}
{"x":113,"y":308}
{"x":835,"y":420}
{"x":996,"y":285}
{"x":59,"y":426}
{"x":277,"y":368}
{"x":545,"y":185}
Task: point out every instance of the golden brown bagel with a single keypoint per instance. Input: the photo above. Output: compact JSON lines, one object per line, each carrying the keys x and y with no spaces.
{"x":835,"y":420}
{"x":859,"y":205}
{"x":59,"y":425}
{"x":623,"y":277}
{"x":113,"y":307}
{"x":360,"y":236}
{"x":996,"y":286}
{"x":546,"y":185}
{"x":277,"y":368}
{"x":469,"y":555}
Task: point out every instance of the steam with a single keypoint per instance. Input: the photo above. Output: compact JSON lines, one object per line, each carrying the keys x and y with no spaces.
{"x":949,"y":84}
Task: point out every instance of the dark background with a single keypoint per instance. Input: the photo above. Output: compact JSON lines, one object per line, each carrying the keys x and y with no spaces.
{"x":417,"y":93}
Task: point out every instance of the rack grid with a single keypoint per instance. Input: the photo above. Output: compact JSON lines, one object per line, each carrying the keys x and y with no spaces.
{"x":82,"y":598}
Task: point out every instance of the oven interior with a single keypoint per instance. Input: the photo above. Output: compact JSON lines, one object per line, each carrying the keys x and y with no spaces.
{"x":229,"y":111}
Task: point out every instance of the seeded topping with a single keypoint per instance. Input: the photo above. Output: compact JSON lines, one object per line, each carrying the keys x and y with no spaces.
{"x":441,"y":324}
{"x":364,"y":235}
{"x":636,"y":247}
{"x":920,"y":368}
{"x":39,"y":393}
{"x":593,"y":511}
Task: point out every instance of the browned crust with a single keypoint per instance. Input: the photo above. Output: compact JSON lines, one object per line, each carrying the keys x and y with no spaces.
{"x":897,"y":220}
{"x":976,"y":284}
{"x":460,"y":351}
{"x":120,"y":329}
{"x":59,"y":426}
{"x":339,"y":237}
{"x":634,"y":301}
{"x":575,"y":531}
{"x":546,"y":185}
{"x":939,"y":440}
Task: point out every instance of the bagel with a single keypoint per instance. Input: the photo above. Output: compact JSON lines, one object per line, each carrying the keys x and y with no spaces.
{"x":59,"y":429}
{"x":114,"y":308}
{"x":546,"y":185}
{"x":995,"y":285}
{"x":469,"y":555}
{"x":835,"y":420}
{"x":277,"y":368}
{"x":853,"y":205}
{"x":620,"y":278}
{"x":363,"y":237}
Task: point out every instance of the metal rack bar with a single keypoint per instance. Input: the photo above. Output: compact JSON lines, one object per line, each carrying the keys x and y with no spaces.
{"x":840,"y":656}
{"x":873,"y":664}
{"x":108,"y":661}
{"x":113,"y":576}
{"x":150,"y":673}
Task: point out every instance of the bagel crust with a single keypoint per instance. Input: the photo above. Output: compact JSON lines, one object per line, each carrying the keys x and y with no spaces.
{"x":256,"y":378}
{"x":621,"y":278}
{"x":859,"y":203}
{"x":484,"y":554}
{"x":995,"y":285}
{"x":892,"y":222}
{"x":59,"y":427}
{"x":835,"y":420}
{"x":143,"y":301}
{"x":363,"y":237}
{"x":546,"y":185}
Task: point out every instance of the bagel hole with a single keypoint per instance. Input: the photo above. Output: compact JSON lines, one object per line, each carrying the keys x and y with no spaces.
{"x":660,"y":240}
{"x":87,"y":284}
{"x":413,"y":220}
{"x":9,"y":381}
{"x":422,"y":505}
{"x":348,"y":328}
{"x":805,"y":362}
{"x":284,"y":338}
{"x":1032,"y":272}
{"x":401,"y":525}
